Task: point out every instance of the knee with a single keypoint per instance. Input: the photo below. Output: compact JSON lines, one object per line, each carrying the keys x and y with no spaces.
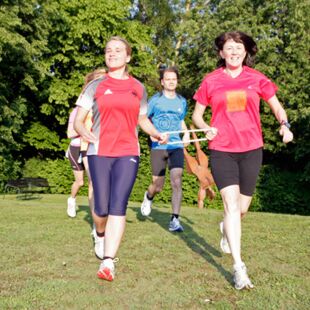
{"x":176,"y":184}
{"x":80,"y":183}
{"x":231,"y":208}
{"x":100,"y":213}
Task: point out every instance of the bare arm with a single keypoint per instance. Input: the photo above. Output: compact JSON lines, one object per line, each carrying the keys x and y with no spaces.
{"x":281,"y":116}
{"x":79,"y":126}
{"x":71,"y":133}
{"x":186,"y":136}
{"x":149,"y":128}
{"x":200,"y":123}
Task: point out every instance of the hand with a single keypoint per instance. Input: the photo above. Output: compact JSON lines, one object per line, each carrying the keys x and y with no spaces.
{"x":89,"y":137}
{"x":211,"y":133}
{"x":161,"y":138}
{"x":286,"y":134}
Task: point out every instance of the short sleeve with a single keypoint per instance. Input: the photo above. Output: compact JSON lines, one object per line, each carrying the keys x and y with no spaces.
{"x":267,"y":88}
{"x":150,"y":106}
{"x":184,"y":108}
{"x":86,"y":98}
{"x":201,"y":94}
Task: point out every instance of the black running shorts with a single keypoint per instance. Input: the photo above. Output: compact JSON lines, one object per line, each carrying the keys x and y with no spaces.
{"x":160,"y":158}
{"x":236,"y":169}
{"x":75,"y":159}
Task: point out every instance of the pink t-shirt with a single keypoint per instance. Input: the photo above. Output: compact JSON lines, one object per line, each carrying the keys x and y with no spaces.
{"x":235,"y":107}
{"x":116,"y":106}
{"x":77,"y":140}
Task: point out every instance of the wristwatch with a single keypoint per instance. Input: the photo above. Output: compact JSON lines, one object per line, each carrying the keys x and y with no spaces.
{"x":286,"y":124}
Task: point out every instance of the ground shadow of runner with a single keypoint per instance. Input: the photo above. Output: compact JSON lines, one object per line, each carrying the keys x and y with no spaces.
{"x":88,"y":217}
{"x":193,"y":240}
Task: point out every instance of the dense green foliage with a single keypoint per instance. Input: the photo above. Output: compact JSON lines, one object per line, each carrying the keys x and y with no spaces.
{"x":46,"y":48}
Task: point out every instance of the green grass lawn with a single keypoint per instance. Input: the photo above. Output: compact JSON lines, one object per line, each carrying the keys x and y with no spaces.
{"x":47,"y":260}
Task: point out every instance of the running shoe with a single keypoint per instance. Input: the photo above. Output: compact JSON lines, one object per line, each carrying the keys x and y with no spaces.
{"x":106,"y":270}
{"x":175,"y":225}
{"x":224,"y":242}
{"x":146,"y":206}
{"x":241,"y":278}
{"x":71,"y":209}
{"x":99,"y":245}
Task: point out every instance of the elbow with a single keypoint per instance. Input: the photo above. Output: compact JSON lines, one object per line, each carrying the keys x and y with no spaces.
{"x":194,"y":118}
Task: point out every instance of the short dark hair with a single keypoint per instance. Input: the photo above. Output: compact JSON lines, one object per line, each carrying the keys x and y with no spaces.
{"x":240,"y":37}
{"x":163,"y":70}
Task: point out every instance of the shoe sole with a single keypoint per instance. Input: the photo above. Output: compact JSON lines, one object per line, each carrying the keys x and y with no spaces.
{"x":176,"y":230}
{"x":245,"y":287}
{"x":105,"y":274}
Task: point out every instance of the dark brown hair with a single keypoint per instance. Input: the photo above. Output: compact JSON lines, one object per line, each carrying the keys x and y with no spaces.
{"x":239,"y":37}
{"x":163,"y":70}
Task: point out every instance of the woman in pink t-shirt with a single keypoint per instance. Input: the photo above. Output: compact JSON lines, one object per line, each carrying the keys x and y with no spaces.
{"x":233,"y":91}
{"x":118,"y":103}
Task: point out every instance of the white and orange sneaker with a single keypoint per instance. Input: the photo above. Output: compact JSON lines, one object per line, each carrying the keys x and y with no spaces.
{"x":106,"y":270}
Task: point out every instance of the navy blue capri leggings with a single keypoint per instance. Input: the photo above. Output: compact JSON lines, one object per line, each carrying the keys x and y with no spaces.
{"x":113,"y":179}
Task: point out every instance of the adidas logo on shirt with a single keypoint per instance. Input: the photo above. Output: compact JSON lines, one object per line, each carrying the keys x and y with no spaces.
{"x":108,"y":92}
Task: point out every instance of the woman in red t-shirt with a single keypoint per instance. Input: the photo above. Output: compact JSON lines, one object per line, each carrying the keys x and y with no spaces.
{"x":233,"y":92}
{"x":119,"y":104}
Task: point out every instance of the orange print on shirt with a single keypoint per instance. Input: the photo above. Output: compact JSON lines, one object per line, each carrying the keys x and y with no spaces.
{"x":236,"y":100}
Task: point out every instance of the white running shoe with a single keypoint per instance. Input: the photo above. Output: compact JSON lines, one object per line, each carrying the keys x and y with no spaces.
{"x":146,"y":206}
{"x":99,"y":245}
{"x":224,"y":242}
{"x":71,"y":209}
{"x":241,"y":278}
{"x":175,"y":225}
{"x":106,"y":270}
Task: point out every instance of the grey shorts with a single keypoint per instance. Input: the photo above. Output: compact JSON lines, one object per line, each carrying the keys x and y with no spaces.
{"x":161,"y":158}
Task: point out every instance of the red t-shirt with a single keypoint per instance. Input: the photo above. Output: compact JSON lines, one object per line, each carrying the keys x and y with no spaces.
{"x":235,"y":108}
{"x":116,"y":105}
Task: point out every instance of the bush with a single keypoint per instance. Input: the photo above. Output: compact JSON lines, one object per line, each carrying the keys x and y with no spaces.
{"x":281,"y":191}
{"x":277,"y":191}
{"x":58,"y":172}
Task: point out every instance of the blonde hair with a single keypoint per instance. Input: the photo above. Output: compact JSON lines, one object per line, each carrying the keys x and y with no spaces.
{"x":94,"y":75}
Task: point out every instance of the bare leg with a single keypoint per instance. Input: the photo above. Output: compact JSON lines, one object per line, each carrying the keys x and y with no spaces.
{"x":90,"y":185}
{"x":201,"y":196}
{"x":232,"y":220}
{"x":245,"y":202}
{"x":100,"y":222}
{"x":78,"y":182}
{"x":176,"y":185}
{"x":156,"y":186}
{"x":115,"y":227}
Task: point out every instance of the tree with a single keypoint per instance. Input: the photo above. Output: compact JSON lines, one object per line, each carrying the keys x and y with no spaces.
{"x":22,"y":32}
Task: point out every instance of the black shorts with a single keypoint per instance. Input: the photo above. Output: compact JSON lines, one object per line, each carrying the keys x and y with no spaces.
{"x":75,"y":158}
{"x":160,"y":158}
{"x":236,"y":169}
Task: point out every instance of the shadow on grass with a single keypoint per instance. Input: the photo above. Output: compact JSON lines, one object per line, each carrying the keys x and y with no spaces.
{"x":191,"y":238}
{"x":88,"y":217}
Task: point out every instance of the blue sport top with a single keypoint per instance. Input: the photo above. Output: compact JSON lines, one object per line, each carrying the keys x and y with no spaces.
{"x":167,"y":115}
